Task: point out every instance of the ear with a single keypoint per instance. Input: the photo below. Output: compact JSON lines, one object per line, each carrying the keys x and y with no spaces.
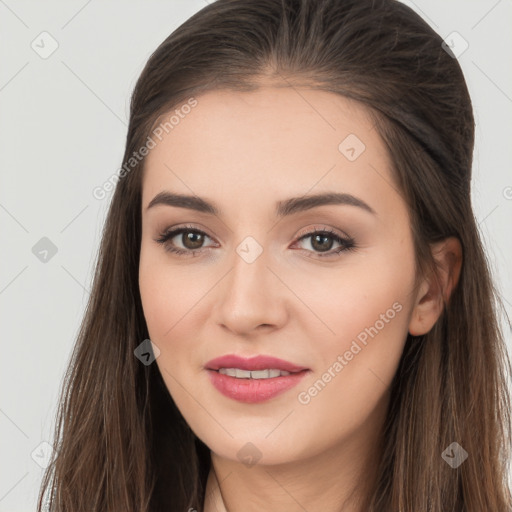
{"x":435,"y":290}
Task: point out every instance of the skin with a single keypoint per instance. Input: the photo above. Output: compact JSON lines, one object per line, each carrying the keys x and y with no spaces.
{"x":244,"y":152}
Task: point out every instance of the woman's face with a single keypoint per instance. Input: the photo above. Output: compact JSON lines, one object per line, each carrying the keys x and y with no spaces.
{"x":260,"y":282}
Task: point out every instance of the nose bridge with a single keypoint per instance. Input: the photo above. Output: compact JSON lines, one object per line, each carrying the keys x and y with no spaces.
{"x":249,"y":277}
{"x":251,"y":294}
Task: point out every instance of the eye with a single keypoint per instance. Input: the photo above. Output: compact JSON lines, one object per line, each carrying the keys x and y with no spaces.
{"x":190,"y":238}
{"x":323,"y":240}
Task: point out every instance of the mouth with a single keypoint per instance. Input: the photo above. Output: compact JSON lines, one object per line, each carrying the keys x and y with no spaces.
{"x":255,"y":379}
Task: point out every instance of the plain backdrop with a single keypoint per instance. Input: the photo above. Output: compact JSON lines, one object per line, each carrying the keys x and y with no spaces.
{"x":63,"y":120}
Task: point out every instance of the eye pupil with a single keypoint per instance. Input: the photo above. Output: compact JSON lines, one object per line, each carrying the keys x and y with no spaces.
{"x":322,"y":246}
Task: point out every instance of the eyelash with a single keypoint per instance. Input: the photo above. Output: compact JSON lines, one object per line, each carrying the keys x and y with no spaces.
{"x":346,"y":244}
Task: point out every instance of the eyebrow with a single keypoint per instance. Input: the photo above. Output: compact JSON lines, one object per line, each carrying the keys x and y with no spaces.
{"x":283,"y":208}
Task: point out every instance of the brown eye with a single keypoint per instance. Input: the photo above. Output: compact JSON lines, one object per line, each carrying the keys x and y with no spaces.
{"x":192,"y":239}
{"x":322,"y":242}
{"x":183,"y":241}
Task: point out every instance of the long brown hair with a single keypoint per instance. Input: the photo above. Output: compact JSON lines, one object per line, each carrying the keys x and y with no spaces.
{"x":122,"y":444}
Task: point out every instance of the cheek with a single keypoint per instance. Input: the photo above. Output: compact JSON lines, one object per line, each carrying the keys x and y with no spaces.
{"x":174,"y":302}
{"x":168,"y":304}
{"x":368,"y":312}
{"x":357,"y":361}
{"x":168,"y":294}
{"x":367,"y":301}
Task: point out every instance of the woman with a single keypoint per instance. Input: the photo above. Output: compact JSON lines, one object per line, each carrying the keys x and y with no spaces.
{"x":292,"y":229}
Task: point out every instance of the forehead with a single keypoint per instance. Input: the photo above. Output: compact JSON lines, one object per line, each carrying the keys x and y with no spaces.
{"x":283,"y":138}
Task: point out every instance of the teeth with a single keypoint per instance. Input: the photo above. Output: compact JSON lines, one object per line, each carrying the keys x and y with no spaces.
{"x":255,"y":374}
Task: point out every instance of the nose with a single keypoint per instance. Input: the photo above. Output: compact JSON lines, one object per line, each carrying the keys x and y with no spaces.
{"x":251,"y":297}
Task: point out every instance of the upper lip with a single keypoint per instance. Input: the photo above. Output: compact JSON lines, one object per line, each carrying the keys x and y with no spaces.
{"x":260,"y":362}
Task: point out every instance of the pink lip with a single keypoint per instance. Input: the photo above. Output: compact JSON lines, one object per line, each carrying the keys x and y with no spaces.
{"x":252,"y":363}
{"x":253,"y":390}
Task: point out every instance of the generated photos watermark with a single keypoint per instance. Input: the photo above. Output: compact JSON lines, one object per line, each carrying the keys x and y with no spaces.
{"x":357,"y":345}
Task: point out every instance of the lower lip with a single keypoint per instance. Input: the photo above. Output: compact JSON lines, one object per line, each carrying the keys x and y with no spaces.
{"x":254,"y":390}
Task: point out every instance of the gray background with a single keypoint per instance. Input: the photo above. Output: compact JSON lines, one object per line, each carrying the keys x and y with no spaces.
{"x":63,"y":123}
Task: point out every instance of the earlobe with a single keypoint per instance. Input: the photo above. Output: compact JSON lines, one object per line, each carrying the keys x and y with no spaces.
{"x":436,"y":289}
